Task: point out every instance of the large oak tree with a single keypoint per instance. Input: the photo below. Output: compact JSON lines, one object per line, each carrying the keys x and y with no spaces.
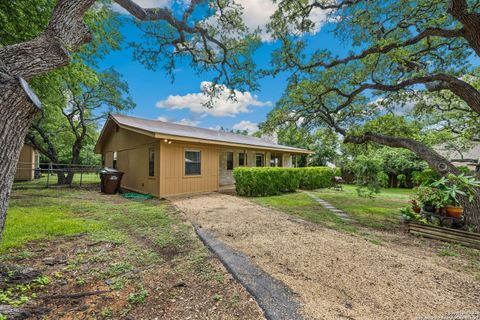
{"x":399,"y":48}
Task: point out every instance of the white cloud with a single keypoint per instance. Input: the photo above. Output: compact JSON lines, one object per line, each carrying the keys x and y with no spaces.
{"x":184,"y":121}
{"x":246,"y":125}
{"x":222,"y":106}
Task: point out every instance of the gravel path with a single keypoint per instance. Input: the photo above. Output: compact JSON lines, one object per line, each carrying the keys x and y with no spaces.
{"x":337,"y":276}
{"x":276,"y":300}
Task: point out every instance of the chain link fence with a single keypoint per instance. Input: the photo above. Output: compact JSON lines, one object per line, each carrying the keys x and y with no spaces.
{"x":50,"y":175}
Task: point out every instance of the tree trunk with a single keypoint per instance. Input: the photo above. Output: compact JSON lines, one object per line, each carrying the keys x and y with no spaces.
{"x":472,"y":211}
{"x":62,"y":179}
{"x":18,"y":106}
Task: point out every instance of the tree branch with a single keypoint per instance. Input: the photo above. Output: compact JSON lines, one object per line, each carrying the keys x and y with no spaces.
{"x":430,"y":32}
{"x":435,"y":160}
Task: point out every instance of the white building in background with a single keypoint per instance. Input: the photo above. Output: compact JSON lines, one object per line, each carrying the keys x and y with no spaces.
{"x":469,"y":158}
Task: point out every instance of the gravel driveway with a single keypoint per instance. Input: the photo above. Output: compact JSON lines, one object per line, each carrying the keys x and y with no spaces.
{"x":336,"y":275}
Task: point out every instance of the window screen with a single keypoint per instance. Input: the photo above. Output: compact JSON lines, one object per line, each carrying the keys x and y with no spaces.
{"x":259,"y":160}
{"x":242,"y":159}
{"x":229,"y":160}
{"x":192,"y":163}
{"x":151,"y":162}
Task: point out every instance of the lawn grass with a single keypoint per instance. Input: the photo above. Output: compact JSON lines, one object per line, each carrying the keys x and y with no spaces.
{"x":46,"y":213}
{"x":25,"y":224}
{"x":301,"y":205}
{"x":381,"y":212}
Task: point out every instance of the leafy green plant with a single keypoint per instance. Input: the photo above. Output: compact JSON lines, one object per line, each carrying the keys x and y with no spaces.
{"x":453,"y":187}
{"x":425,"y":177}
{"x":408,"y":214}
{"x":139,"y":296}
{"x":383,"y":179}
{"x":430,"y":196}
{"x":42,"y":281}
{"x":401,"y":180}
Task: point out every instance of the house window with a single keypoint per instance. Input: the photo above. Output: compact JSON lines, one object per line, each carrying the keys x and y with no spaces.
{"x":114,"y":162}
{"x":193,"y":163}
{"x":242,"y":159}
{"x":294,"y":161}
{"x":276,"y":160}
{"x":151,"y":162}
{"x":259,"y":160}
{"x":229,"y":160}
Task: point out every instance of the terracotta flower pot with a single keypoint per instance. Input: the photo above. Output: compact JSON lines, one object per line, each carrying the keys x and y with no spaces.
{"x":455,"y":212}
{"x":442,"y":210}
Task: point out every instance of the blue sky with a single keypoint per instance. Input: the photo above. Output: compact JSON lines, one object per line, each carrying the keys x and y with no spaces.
{"x":179,"y":98}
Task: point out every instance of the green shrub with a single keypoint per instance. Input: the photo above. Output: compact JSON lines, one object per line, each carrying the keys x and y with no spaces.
{"x":383,"y":179}
{"x":401,"y":180}
{"x":425,"y":177}
{"x":316,"y":177}
{"x":257,"y":182}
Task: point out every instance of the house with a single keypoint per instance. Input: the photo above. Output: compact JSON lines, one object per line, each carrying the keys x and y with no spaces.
{"x":163,"y":159}
{"x":470,"y":157}
{"x":28,"y":161}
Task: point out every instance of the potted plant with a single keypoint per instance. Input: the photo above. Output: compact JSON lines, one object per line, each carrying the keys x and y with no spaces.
{"x":452,"y":188}
{"x":431,"y":198}
{"x":415,"y":206}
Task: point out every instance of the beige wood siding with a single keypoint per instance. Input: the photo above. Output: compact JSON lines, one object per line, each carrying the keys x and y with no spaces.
{"x":26,"y":164}
{"x":132,"y":159}
{"x":172,"y":169}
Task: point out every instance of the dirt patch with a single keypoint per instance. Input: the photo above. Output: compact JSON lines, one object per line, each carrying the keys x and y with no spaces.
{"x":336,"y":275}
{"x":193,"y":285}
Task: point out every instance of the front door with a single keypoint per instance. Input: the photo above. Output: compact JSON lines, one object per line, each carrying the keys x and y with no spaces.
{"x":226,"y":168}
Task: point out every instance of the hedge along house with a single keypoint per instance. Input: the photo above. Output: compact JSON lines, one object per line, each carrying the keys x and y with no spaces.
{"x":164,"y":159}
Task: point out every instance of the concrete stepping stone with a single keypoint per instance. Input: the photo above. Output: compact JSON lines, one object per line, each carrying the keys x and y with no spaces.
{"x":339,"y":213}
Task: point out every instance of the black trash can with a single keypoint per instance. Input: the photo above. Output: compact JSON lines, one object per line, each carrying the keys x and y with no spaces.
{"x":110,"y":180}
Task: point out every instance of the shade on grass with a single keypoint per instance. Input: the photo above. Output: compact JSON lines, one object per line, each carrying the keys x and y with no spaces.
{"x":43,"y":222}
{"x":380,"y":212}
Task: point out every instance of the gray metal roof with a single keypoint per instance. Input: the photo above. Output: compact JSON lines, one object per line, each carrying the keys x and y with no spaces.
{"x":168,"y":128}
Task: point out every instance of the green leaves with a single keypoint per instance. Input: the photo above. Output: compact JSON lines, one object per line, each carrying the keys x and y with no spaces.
{"x":260,"y":182}
{"x":454,"y":186}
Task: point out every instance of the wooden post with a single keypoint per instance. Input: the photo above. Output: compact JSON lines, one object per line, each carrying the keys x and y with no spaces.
{"x":48,"y":175}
